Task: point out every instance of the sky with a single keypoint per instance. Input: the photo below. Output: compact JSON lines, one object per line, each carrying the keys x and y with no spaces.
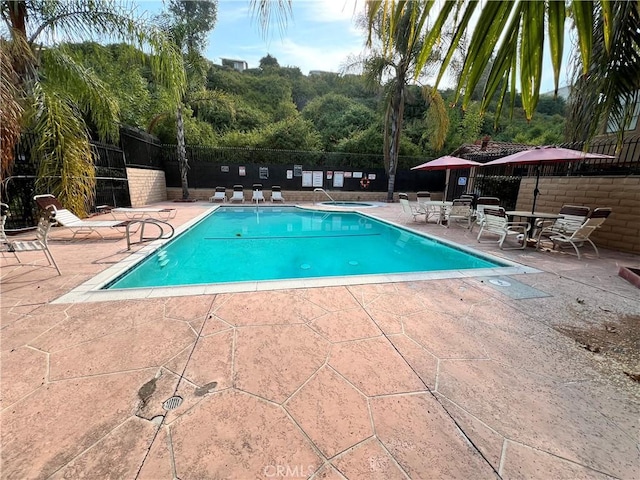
{"x":319,"y":35}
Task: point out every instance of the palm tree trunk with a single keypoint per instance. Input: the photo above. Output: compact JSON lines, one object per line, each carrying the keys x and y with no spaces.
{"x":182,"y":154}
{"x":396,"y":113}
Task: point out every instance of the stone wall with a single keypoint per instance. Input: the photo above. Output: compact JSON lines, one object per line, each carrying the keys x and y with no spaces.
{"x":620,"y":232}
{"x":146,"y":186}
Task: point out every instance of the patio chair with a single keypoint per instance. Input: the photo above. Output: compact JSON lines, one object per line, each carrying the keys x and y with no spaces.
{"x":38,"y":244}
{"x":571,"y":218}
{"x":408,"y":209}
{"x":258,"y":195}
{"x":578,"y":238}
{"x":220,"y":195}
{"x":238,"y":194}
{"x":460,"y":211}
{"x":276,"y":194}
{"x":496,"y":223}
{"x":65,"y":218}
{"x":480,"y":205}
{"x":423,"y":196}
{"x":4,"y":242}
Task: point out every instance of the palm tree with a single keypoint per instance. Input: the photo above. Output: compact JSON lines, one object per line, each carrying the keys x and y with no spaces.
{"x":612,"y":74}
{"x":395,"y":64}
{"x":515,"y":31}
{"x":58,"y":96}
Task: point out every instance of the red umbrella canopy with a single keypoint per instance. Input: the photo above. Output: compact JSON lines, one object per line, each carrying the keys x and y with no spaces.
{"x":447,"y":162}
{"x":541,"y":155}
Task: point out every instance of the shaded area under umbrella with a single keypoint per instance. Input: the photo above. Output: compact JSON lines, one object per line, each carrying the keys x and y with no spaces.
{"x":547,"y":155}
{"x":447,"y":163}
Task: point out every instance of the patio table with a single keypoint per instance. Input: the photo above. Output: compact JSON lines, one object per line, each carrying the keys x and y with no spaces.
{"x":435,"y":207}
{"x":531,"y":218}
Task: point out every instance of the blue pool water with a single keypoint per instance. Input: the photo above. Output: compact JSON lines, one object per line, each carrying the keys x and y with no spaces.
{"x":235,"y":244}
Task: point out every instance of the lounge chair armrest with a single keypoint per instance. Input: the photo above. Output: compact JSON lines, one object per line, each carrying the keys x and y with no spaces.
{"x":544,"y":223}
{"x":518,"y":225}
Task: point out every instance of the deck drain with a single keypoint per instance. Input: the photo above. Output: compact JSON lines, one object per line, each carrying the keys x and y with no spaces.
{"x":172,"y":403}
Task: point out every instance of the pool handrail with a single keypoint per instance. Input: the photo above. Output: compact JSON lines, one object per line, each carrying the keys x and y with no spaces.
{"x":318,"y":189}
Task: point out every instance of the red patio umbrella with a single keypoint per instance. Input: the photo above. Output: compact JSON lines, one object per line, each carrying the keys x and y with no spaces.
{"x":447,"y":163}
{"x":539,"y":156}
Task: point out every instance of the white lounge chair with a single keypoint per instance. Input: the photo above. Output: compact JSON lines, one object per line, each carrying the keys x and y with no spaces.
{"x":571,"y":218}
{"x":578,"y":238}
{"x":258,"y":195}
{"x":238,"y":194}
{"x":144,"y":212}
{"x":408,"y":209}
{"x":65,"y":218}
{"x":496,"y":223}
{"x":276,"y":194}
{"x":38,"y":244}
{"x":220,"y":195}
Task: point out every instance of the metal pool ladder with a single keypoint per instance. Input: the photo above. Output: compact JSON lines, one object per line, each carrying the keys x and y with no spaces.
{"x":161,"y":224}
{"x":323,"y":191}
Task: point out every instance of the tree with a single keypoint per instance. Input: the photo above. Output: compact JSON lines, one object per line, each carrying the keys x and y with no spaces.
{"x":269,"y":62}
{"x":56,"y":94}
{"x":337,"y":117}
{"x":189,"y":23}
{"x":395,"y":64}
{"x":515,"y":32}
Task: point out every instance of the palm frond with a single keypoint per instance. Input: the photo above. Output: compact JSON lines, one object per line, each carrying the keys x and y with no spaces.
{"x":608,"y":92}
{"x":64,"y":154}
{"x":84,"y":88}
{"x":437,"y":118}
{"x":264,"y":10}
{"x":11,"y":111}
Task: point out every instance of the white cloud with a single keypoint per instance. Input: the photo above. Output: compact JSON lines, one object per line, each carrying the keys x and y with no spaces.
{"x":314,"y":57}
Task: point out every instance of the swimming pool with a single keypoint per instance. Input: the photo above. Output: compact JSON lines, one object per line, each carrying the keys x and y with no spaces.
{"x":239,"y":244}
{"x":401,"y":238}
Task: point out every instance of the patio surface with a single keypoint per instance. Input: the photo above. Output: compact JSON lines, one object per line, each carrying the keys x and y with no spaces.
{"x":431,"y":379}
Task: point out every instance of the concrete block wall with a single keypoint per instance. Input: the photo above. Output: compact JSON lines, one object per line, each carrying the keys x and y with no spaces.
{"x":146,"y":186}
{"x":620,"y":232}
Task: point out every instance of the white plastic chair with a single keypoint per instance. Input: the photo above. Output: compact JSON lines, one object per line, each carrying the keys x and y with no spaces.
{"x":480,"y":206}
{"x":37,"y":244}
{"x":460,"y":210}
{"x":276,"y":194}
{"x":409,"y":209}
{"x":258,"y":195}
{"x":496,"y":223}
{"x":220,"y":195}
{"x":571,"y":218}
{"x":578,"y":238}
{"x":238,"y":194}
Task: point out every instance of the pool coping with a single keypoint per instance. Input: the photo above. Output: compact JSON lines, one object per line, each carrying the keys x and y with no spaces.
{"x":90,"y":290}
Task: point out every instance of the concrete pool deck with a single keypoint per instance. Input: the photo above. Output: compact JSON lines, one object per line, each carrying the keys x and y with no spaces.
{"x":450,"y":378}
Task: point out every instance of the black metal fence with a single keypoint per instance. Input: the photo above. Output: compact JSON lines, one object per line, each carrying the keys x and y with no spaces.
{"x":20,"y":187}
{"x":211,"y":166}
{"x":504,"y":181}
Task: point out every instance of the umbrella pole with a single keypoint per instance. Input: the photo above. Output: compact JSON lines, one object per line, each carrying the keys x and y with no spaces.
{"x":446,"y":185}
{"x":535,"y":190}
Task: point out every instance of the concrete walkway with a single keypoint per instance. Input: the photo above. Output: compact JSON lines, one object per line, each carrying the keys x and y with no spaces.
{"x":460,"y":378}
